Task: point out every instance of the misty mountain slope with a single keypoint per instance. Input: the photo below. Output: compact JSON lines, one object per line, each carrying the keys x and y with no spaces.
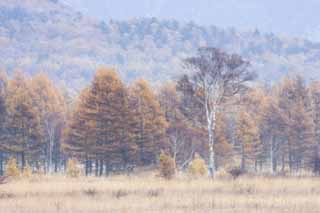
{"x":49,"y":36}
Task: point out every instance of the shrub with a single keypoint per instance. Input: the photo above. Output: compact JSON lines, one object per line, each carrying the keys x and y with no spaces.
{"x":72,"y":168}
{"x":12,"y":169}
{"x":235,"y":172}
{"x":27,"y":171}
{"x":197,"y":167}
{"x":167,"y":166}
{"x":222,"y":174}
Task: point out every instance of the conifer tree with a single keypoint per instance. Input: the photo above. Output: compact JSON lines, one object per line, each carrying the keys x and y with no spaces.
{"x":149,"y":122}
{"x":315,"y":109}
{"x":103,"y":113}
{"x":248,"y":134}
{"x":78,"y":138}
{"x":22,"y":123}
{"x":222,"y":145}
{"x":3,"y":114}
{"x":50,"y":108}
{"x":295,"y":103}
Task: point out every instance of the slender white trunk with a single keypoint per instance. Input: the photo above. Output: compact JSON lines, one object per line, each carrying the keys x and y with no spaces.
{"x":50,"y":132}
{"x":210,"y":112}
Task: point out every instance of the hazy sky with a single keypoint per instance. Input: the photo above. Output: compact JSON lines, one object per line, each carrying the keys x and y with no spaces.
{"x":291,"y":17}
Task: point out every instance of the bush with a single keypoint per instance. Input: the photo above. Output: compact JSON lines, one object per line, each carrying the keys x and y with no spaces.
{"x":72,"y":168}
{"x":222,"y":174}
{"x":167,"y":166}
{"x":236,"y":172}
{"x":197,"y":167}
{"x":12,"y":169}
{"x":27,"y":171}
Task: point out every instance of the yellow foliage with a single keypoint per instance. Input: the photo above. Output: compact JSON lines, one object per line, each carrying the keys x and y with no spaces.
{"x":167,"y":166}
{"x":27,"y":171}
{"x":197,"y":167}
{"x":72,"y":168}
{"x":12,"y":169}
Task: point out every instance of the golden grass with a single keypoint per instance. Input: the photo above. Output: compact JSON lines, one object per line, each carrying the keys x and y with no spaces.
{"x":152,"y":194}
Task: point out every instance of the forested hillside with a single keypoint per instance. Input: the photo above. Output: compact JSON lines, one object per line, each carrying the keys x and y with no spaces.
{"x":49,"y":36}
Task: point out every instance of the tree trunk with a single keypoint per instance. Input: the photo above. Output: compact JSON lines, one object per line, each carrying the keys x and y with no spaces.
{"x":23,"y":161}
{"x":272,"y":155}
{"x":210,"y":128}
{"x":97,"y":167}
{"x":90,"y":166}
{"x":1,"y":164}
{"x":87,"y":166}
{"x":282,"y":163}
{"x":56,"y":165}
{"x":107,"y":168}
{"x":101,"y":168}
{"x":243,"y":159}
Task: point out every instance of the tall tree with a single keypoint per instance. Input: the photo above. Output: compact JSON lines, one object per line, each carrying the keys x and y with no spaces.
{"x":149,"y":125}
{"x":295,"y":103}
{"x":104,"y":112}
{"x":3,"y":115}
{"x":22,"y":123}
{"x":315,"y":106}
{"x":215,"y":75}
{"x":184,"y":138}
{"x":50,"y":107}
{"x":248,"y":134}
{"x":79,"y":140}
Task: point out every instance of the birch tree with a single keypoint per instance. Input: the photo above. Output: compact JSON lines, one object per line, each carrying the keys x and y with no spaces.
{"x":213,"y":77}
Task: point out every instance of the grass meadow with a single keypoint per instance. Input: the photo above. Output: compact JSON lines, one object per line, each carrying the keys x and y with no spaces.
{"x":149,"y":193}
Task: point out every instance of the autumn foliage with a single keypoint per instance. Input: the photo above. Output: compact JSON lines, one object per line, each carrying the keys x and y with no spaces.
{"x":166,"y":166}
{"x":114,"y":127}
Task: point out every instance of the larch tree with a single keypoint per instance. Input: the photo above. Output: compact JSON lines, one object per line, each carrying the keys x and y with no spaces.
{"x":222,"y":145}
{"x":50,"y":107}
{"x":79,"y":139}
{"x":214,"y":76}
{"x":22,"y":123}
{"x":149,"y":125}
{"x":3,"y":114}
{"x":294,"y":101}
{"x":248,"y":134}
{"x":107,"y":111}
{"x":315,"y":107}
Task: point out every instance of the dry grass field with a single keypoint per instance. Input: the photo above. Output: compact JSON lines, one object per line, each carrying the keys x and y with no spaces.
{"x":152,"y":194}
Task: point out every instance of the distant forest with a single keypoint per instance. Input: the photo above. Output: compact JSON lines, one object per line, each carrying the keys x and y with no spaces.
{"x":68,"y":46}
{"x":215,"y":109}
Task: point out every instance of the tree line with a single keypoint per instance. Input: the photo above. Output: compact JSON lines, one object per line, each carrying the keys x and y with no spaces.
{"x":215,"y":109}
